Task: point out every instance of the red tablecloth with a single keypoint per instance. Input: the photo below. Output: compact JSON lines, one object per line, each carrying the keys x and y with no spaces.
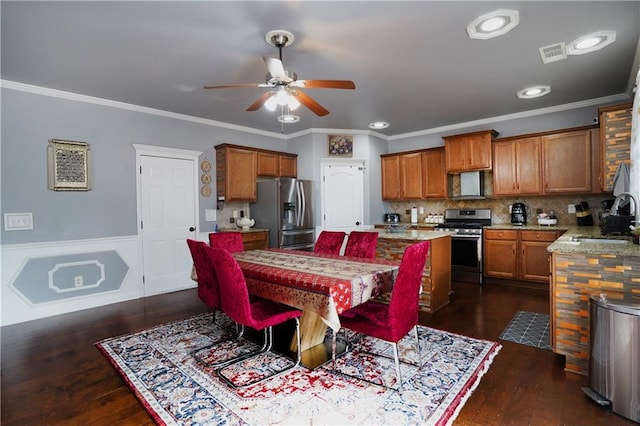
{"x":322,"y":283}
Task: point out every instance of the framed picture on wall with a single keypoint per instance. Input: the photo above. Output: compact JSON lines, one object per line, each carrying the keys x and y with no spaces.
{"x":341,"y":145}
{"x":68,"y":165}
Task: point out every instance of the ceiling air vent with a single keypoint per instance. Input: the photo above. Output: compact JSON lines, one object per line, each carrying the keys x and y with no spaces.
{"x":553,"y":53}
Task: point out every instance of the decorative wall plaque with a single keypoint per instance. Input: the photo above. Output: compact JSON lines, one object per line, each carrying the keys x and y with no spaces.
{"x":340,"y":146}
{"x":68,"y":165}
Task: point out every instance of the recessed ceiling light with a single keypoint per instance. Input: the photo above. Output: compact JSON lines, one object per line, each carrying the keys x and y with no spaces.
{"x":534,"y":92}
{"x":288,"y":118}
{"x":493,"y":24}
{"x":591,"y":42}
{"x":377,"y":125}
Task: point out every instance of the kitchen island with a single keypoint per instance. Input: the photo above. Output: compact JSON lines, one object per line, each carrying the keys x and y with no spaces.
{"x":582,"y":264}
{"x":436,"y":278}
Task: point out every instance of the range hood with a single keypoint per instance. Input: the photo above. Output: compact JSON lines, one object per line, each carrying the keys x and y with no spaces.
{"x":471,"y":186}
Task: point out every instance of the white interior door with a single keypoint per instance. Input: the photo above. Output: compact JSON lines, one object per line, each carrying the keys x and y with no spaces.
{"x":168,"y":218}
{"x":342,"y":196}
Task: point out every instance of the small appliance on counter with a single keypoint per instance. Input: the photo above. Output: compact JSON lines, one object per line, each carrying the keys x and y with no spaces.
{"x":391,"y":217}
{"x":518,"y":214}
{"x":583,"y":214}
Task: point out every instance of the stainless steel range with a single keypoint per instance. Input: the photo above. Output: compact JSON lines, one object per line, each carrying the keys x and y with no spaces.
{"x":466,"y":243}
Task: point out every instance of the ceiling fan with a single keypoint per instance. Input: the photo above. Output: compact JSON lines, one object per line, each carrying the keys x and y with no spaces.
{"x":285,"y":83}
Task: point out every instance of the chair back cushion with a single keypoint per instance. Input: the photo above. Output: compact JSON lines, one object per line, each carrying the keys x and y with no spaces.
{"x":230,"y":241}
{"x":329,"y":242}
{"x":234,"y":296}
{"x":361,"y":244}
{"x":207,"y":281}
{"x":403,"y":306}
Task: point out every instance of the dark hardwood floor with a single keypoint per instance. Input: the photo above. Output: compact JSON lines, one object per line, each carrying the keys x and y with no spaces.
{"x":52,"y":374}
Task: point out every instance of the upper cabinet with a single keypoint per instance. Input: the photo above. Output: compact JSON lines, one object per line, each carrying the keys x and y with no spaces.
{"x":413,"y":175}
{"x":567,"y":162}
{"x":615,"y":136}
{"x":468,"y":152}
{"x":517,"y":167}
{"x":274,"y":164}
{"x":236,"y":173}
{"x":434,"y":178}
{"x":238,"y":168}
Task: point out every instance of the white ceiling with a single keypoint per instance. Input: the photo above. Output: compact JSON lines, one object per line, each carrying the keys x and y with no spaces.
{"x":412,"y":62}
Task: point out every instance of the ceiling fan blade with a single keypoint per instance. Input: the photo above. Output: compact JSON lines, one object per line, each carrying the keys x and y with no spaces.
{"x":276,"y":69}
{"x":226,"y":86}
{"x":307,"y":101}
{"x":261,"y":100}
{"x":325,"y":84}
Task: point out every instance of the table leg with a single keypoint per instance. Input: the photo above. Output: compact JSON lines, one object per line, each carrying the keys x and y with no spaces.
{"x":312,"y":331}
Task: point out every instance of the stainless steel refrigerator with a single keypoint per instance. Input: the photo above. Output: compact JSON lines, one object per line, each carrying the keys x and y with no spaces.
{"x":285,"y":207}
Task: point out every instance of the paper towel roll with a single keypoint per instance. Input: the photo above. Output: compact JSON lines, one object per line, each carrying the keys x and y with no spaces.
{"x":414,"y":215}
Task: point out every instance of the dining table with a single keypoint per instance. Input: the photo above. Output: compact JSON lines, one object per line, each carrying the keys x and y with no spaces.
{"x":321,"y":285}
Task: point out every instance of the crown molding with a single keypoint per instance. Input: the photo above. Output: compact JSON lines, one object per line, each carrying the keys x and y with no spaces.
{"x":45,"y":91}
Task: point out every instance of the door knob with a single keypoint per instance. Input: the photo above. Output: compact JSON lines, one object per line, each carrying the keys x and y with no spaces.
{"x":357,"y":223}
{"x":191,"y":229}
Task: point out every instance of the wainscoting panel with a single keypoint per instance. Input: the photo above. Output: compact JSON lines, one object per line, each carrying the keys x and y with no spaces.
{"x":52,"y":278}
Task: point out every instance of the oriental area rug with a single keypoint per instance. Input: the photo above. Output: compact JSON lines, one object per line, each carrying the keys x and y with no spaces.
{"x":175,"y":387}
{"x":528,"y":328}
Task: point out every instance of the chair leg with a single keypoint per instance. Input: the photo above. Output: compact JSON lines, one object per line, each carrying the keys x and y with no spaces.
{"x":396,"y":359}
{"x":418,"y":346}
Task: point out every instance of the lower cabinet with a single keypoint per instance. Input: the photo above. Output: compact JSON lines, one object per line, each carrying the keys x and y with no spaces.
{"x":255,"y":240}
{"x":518,"y":254}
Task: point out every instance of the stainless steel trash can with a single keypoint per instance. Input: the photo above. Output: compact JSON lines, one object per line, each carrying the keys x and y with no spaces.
{"x":615,"y":354}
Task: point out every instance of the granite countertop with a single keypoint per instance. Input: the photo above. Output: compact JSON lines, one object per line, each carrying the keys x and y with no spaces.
{"x":413,"y":234}
{"x":566,"y":243}
{"x":242,"y":230}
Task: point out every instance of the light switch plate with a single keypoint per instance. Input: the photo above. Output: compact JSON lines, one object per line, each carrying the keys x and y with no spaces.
{"x":209,"y":215}
{"x":18,"y":221}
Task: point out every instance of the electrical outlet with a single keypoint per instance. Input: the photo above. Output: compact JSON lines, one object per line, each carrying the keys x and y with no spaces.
{"x":571,"y":208}
{"x":77,"y":281}
{"x":510,"y":206}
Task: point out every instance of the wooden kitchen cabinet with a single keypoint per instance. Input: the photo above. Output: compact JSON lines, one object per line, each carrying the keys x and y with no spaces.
{"x":287,"y":165}
{"x":255,"y":240}
{"x":469,"y":152}
{"x":615,"y":137}
{"x":434,"y":177}
{"x":517,"y":167}
{"x":413,"y":175}
{"x":500,"y":253}
{"x":567,"y":162}
{"x":402,"y":176}
{"x":390,"y":171}
{"x":518,"y":254}
{"x":236,"y":173}
{"x":273,"y":164}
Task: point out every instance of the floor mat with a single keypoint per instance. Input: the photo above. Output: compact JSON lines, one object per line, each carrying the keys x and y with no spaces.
{"x":528,"y":328}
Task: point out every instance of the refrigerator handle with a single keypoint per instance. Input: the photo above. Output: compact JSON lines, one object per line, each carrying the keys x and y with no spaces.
{"x":298,"y":204}
{"x":303,"y":204}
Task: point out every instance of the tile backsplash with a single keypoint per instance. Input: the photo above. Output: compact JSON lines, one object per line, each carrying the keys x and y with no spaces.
{"x":500,"y":206}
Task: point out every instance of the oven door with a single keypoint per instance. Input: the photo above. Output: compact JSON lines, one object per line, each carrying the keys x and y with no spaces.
{"x":466,"y":258}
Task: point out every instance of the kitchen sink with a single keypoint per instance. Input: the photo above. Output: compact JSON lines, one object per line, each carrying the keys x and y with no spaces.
{"x":600,"y":240}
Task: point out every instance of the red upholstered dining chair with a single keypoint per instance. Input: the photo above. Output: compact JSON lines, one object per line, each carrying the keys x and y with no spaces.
{"x":207,"y":280}
{"x":261,"y":314}
{"x":361,"y":244}
{"x":392,"y":322}
{"x":230,"y":241}
{"x":329,"y":242}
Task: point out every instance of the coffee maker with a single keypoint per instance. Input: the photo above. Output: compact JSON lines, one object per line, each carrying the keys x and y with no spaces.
{"x":518,"y":214}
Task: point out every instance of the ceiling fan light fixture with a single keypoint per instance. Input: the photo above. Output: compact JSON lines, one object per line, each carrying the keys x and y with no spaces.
{"x":534,"y":92}
{"x":591,"y":42}
{"x":378,"y":125}
{"x":288,"y":118}
{"x":272,"y":103}
{"x":293,"y":103}
{"x":493,"y":24}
